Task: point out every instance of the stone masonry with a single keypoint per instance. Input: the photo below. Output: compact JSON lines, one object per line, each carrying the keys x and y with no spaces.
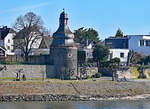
{"x":30,"y":71}
{"x":63,"y":51}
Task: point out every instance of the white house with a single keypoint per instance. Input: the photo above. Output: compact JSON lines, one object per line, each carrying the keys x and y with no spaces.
{"x":88,"y":49}
{"x":6,"y":40}
{"x":43,"y":46}
{"x":33,"y":43}
{"x":119,"y":53}
{"x":139,"y":43}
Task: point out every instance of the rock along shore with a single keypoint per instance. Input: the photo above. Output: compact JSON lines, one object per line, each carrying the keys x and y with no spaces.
{"x":46,"y":97}
{"x":72,"y":91}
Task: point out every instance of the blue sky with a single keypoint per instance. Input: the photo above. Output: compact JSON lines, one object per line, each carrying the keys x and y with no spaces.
{"x":106,"y":16}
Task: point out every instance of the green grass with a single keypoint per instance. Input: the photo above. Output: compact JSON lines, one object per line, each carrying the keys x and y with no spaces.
{"x":142,"y":78}
{"x":87,"y":81}
{"x":21,"y":63}
{"x":7,"y":78}
{"x":58,"y":81}
{"x":34,"y":78}
{"x":13,"y":78}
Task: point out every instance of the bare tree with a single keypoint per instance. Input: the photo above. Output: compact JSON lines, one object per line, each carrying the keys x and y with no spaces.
{"x":135,"y":58}
{"x":29,"y":30}
{"x":47,"y":32}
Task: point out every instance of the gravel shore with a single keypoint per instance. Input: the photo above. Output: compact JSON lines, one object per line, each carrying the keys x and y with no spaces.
{"x":57,"y":90}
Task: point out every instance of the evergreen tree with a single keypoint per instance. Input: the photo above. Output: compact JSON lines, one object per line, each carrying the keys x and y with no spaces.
{"x":83,"y":35}
{"x":119,"y":33}
{"x":100,"y":54}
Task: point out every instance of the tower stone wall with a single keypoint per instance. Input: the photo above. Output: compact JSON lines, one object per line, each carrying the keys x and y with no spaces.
{"x":63,"y":51}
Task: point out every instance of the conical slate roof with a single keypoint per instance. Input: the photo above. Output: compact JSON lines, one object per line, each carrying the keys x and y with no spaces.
{"x":63,"y":36}
{"x":63,"y":30}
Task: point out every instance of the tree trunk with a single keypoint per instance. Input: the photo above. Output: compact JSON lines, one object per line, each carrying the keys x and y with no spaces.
{"x":26,"y":58}
{"x":98,"y":65}
{"x":113,"y":76}
{"x":43,"y":76}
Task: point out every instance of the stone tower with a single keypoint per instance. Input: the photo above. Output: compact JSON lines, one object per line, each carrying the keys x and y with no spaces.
{"x":63,"y":50}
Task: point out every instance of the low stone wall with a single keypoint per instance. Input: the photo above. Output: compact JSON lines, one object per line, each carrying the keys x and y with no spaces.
{"x":89,"y":71}
{"x":124,"y":74}
{"x":39,"y":59}
{"x":30,"y":71}
{"x":132,"y":73}
{"x":147,"y":73}
{"x":135,"y":73}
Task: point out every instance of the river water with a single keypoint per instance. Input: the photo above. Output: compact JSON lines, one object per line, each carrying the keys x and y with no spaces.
{"x":123,"y":104}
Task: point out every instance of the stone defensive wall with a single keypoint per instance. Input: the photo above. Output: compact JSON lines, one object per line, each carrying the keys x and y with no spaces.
{"x":30,"y":71}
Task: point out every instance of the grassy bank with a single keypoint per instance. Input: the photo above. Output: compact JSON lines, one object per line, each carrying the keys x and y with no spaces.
{"x":100,"y":88}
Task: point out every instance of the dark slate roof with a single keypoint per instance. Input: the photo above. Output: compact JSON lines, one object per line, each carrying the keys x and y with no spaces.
{"x":113,"y":37}
{"x":63,"y":36}
{"x":4,"y":32}
{"x":46,"y":42}
{"x":63,"y":30}
{"x":63,"y":15}
{"x":137,"y":35}
{"x":20,"y":34}
{"x":117,"y":42}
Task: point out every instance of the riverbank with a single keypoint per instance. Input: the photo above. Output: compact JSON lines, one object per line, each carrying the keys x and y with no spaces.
{"x":57,"y":90}
{"x":46,"y":97}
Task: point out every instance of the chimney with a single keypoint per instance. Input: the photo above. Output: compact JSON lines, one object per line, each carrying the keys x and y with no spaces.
{"x":4,"y":27}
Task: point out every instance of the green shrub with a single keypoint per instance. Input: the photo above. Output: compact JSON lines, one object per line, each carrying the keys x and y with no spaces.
{"x":143,"y":76}
{"x":98,"y":75}
{"x":88,"y":77}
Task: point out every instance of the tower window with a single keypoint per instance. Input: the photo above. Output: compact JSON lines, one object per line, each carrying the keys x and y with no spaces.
{"x":69,"y":55}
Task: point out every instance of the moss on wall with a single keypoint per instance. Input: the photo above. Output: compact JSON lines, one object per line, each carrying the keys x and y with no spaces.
{"x":135,"y":72}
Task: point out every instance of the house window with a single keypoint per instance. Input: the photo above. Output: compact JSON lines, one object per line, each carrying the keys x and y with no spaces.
{"x":147,"y":42}
{"x":141,"y":43}
{"x":8,"y":40}
{"x":8,"y":47}
{"x":122,"y":55}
